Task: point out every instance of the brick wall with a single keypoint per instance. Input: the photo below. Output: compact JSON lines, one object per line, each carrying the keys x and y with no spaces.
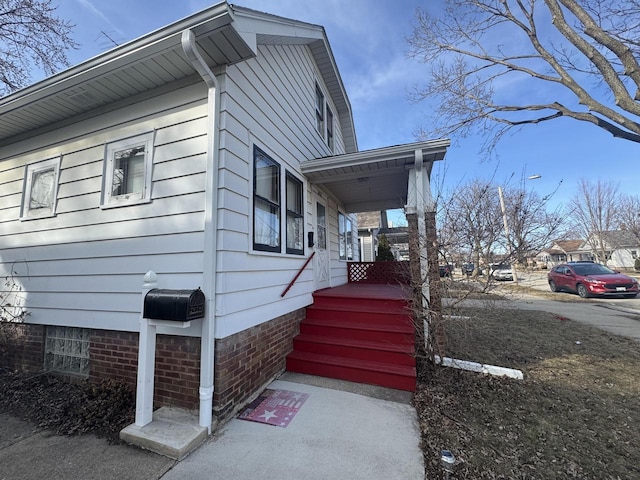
{"x":247,"y":360}
{"x":21,"y":346}
{"x":244,"y":362}
{"x":114,"y":355}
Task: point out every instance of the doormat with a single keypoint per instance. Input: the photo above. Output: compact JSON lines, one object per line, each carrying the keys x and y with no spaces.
{"x":274,"y":407}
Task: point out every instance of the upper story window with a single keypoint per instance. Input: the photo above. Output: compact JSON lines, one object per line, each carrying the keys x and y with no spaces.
{"x":324,"y":118}
{"x":345,"y":237}
{"x":40,"y":187}
{"x":128,"y":171}
{"x":319,"y":110}
{"x":269,"y":186}
{"x":329,"y":128}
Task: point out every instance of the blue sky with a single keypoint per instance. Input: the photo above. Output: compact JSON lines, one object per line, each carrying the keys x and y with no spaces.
{"x":368,"y":39}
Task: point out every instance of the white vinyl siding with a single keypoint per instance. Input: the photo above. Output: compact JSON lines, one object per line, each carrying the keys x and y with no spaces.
{"x":85,"y":266}
{"x":268,"y":101}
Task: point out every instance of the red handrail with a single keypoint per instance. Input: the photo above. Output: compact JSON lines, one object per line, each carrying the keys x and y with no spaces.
{"x":297,"y":275}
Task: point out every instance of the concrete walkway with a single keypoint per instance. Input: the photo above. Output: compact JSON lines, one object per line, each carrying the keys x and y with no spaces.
{"x":342,"y":431}
{"x":335,"y":435}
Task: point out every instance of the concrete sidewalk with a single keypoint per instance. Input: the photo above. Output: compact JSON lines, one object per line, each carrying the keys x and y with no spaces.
{"x":335,"y":435}
{"x":342,"y":431}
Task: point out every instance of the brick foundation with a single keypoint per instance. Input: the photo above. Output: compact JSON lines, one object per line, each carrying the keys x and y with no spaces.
{"x":244,"y":362}
{"x":21,"y":346}
{"x":249,"y":359}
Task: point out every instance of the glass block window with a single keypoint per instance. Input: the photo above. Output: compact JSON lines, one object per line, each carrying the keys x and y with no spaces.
{"x":67,"y":350}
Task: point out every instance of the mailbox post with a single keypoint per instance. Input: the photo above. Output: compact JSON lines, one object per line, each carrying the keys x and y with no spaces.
{"x":172,"y":308}
{"x":146,"y":359}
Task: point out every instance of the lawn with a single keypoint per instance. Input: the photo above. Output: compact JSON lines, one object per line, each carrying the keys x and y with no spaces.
{"x":575,"y":414}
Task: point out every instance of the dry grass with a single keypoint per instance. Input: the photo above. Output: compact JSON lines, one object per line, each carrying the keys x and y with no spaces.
{"x":575,"y":415}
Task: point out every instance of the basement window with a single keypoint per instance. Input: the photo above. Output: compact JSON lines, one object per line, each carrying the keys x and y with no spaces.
{"x":67,"y":350}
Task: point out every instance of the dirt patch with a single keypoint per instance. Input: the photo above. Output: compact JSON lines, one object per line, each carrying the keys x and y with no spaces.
{"x":573,"y":416}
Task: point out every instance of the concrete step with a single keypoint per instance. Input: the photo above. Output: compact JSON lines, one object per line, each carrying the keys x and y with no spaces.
{"x":173,"y":432}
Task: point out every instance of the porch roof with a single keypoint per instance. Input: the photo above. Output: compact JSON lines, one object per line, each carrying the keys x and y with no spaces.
{"x":373,"y":179}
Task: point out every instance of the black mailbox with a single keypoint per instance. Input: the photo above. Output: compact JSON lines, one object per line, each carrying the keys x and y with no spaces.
{"x":175,"y":305}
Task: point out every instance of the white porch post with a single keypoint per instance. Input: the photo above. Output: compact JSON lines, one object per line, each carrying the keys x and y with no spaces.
{"x":146,"y":359}
{"x":418,"y":201}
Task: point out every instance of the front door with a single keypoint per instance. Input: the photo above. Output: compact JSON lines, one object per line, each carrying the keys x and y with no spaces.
{"x":321,"y":260}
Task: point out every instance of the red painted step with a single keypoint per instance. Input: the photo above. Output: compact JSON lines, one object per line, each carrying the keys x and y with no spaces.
{"x":401,"y":377}
{"x":378,"y":351}
{"x":369,"y":316}
{"x":397,"y":334}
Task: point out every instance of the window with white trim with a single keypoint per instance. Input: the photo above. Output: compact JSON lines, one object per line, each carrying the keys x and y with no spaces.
{"x":345,"y":237}
{"x":271,"y":214}
{"x":127,"y":176}
{"x":40,"y":188}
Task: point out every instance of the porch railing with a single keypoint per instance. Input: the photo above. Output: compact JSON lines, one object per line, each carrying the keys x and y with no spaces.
{"x":386,"y":273}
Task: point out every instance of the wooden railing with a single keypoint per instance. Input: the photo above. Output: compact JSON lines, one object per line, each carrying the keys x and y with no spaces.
{"x":386,"y":273}
{"x":297,"y":275}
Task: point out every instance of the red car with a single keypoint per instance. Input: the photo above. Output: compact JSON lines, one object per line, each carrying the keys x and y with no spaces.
{"x":590,"y":279}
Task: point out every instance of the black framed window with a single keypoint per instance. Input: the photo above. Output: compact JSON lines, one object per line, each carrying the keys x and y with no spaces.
{"x":329,"y":128}
{"x":295,"y":215}
{"x":266,"y":202}
{"x":319,"y":110}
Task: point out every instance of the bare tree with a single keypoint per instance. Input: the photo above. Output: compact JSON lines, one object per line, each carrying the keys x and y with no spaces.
{"x":629,"y":214}
{"x":471,"y":221}
{"x":31,"y":36}
{"x":594,"y":211}
{"x":531,"y":225}
{"x":577,"y":58}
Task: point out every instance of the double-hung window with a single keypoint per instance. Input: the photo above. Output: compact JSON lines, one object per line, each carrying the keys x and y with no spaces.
{"x":266,"y":206}
{"x":295,"y":216}
{"x":319,"y":110}
{"x":270,"y":184}
{"x":329,"y":128}
{"x":128,"y":171}
{"x":40,"y":187}
{"x":324,"y":118}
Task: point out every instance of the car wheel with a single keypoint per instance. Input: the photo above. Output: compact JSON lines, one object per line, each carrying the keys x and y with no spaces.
{"x":582,"y":291}
{"x":553,"y":286}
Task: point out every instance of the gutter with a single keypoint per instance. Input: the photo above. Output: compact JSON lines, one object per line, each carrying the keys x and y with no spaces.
{"x":210,"y":228}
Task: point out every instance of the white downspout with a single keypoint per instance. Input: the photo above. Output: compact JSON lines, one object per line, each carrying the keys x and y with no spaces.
{"x":210,"y":228}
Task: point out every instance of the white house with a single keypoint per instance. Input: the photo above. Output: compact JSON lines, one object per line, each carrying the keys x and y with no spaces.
{"x":218,"y":152}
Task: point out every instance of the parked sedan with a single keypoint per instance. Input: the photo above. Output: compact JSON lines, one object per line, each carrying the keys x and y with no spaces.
{"x":589,"y":279}
{"x":502,"y":271}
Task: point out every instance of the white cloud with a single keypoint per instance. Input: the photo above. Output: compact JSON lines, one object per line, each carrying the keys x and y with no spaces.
{"x":93,"y":9}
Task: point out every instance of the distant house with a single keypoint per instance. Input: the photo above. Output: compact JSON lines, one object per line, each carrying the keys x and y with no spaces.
{"x":218,"y":152}
{"x":616,"y":248}
{"x":373,"y":224}
{"x":561,"y":251}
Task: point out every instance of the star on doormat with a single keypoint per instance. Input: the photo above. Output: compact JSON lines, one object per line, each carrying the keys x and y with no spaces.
{"x":274,"y":407}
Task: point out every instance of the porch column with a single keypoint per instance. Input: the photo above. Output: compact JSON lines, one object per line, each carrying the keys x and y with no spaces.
{"x":420,"y":211}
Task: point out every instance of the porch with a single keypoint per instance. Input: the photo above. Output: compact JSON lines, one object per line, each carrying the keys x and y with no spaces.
{"x":362,"y":331}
